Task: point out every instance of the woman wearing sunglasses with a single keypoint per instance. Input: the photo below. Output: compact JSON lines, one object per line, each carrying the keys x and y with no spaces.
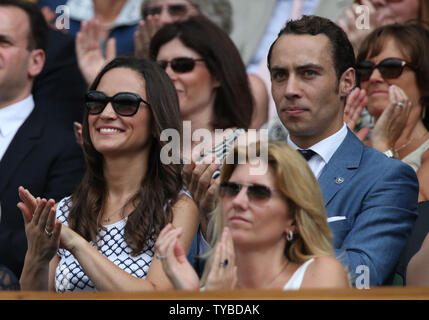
{"x":106,"y":230}
{"x":269,"y":231}
{"x":212,"y":85}
{"x":393,"y":69}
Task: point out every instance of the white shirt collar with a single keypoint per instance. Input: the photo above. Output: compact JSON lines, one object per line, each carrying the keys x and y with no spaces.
{"x":13,"y":116}
{"x":327,"y":147}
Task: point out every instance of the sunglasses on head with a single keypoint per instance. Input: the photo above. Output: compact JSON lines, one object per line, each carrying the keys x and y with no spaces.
{"x":174,"y":10}
{"x":254,"y":191}
{"x":389,"y":68}
{"x":180,"y":65}
{"x":124,"y":103}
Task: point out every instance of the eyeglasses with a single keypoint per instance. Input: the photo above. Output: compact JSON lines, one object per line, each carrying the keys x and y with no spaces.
{"x":255,"y":192}
{"x":124,"y":103}
{"x":180,"y":65}
{"x":174,"y":10}
{"x":389,"y":68}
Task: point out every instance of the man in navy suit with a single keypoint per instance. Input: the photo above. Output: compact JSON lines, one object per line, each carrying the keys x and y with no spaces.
{"x":35,"y":150}
{"x":371,"y":200}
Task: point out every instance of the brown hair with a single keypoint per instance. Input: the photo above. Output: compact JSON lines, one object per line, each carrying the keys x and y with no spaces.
{"x":159,"y":188}
{"x":233,"y":106}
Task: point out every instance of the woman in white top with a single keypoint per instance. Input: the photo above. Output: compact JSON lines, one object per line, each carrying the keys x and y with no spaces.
{"x":106,"y":230}
{"x":269,"y":231}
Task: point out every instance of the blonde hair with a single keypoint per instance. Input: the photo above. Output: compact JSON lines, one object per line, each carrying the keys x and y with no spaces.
{"x":296,"y":181}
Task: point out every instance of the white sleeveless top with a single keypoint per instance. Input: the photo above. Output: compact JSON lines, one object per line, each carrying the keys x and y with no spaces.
{"x":414,"y":159}
{"x":295,"y":281}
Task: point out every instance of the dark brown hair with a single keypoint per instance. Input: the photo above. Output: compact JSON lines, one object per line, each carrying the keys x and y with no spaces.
{"x":341,"y":49}
{"x":160,"y":187}
{"x":233,"y":106}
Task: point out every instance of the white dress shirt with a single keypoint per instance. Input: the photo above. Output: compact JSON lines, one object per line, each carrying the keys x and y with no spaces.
{"x":11,"y":119}
{"x":324,"y":149}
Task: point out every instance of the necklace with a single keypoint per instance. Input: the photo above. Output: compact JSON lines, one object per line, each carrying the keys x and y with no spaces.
{"x":277,"y":275}
{"x":408,"y":142}
{"x":106,"y":220}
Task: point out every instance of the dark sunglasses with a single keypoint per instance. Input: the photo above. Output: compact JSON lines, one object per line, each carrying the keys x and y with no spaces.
{"x":180,"y":65}
{"x":254,"y":191}
{"x":124,"y":103}
{"x":389,"y":68}
{"x":174,"y":10}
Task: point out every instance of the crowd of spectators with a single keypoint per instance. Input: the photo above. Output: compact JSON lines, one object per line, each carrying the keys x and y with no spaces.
{"x":123,"y":123}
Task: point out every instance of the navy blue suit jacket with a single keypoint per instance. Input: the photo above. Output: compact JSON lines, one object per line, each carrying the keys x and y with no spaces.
{"x":44,"y":158}
{"x":371,"y":203}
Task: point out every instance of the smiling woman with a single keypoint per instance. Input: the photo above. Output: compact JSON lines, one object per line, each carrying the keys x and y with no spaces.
{"x":109,"y":225}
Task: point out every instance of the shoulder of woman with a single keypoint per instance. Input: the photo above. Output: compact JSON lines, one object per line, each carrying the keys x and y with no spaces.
{"x":425,"y":156}
{"x":326,"y":271}
{"x":185,"y":202}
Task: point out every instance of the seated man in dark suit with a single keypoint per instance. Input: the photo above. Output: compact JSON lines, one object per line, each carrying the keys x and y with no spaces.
{"x":36,"y":151}
{"x":371,"y":200}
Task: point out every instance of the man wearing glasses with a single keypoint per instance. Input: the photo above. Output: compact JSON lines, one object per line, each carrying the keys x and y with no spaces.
{"x":35,"y":151}
{"x":371,"y":200}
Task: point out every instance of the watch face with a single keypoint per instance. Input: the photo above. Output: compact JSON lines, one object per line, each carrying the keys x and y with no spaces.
{"x":390,"y":154}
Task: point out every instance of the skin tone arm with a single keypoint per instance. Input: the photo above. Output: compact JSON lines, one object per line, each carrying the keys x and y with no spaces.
{"x":41,"y":247}
{"x":260,"y":98}
{"x":325,"y":272}
{"x":417,"y":270}
{"x":107,"y":276}
{"x":423,"y":176}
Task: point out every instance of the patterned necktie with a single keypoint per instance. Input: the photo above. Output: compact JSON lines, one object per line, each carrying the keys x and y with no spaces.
{"x":307,"y":154}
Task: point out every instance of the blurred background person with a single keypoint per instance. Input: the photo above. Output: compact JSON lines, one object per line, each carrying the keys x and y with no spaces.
{"x":381,"y":12}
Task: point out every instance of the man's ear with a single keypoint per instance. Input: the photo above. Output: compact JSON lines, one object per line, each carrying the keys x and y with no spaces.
{"x":347,"y":82}
{"x":36,"y":62}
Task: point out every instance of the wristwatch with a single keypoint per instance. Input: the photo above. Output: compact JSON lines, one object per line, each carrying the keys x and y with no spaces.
{"x":391,"y":153}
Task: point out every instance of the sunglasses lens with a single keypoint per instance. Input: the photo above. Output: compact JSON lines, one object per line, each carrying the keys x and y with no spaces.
{"x":256,"y":192}
{"x":229,"y":189}
{"x":151,"y":11}
{"x":390,"y":68}
{"x":95,"y":102}
{"x":182,"y":65}
{"x":163,"y":64}
{"x":259,"y":192}
{"x":176,"y":10}
{"x":126,"y":104}
{"x":364,"y":70}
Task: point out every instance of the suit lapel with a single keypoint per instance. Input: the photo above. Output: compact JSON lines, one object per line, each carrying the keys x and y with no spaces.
{"x":24,"y":141}
{"x":341,"y":167}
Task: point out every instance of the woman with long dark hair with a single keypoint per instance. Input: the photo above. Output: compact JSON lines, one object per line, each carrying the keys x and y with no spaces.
{"x":107,"y":229}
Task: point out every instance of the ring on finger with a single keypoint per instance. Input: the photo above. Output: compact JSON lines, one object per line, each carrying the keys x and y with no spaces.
{"x":224,"y":263}
{"x":400,"y":104}
{"x":159,"y":257}
{"x":48,"y":233}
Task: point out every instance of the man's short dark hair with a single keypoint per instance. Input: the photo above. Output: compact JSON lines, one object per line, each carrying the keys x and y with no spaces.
{"x":342,"y":51}
{"x":38,"y":35}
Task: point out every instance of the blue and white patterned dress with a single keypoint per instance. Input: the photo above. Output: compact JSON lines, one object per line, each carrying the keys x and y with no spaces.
{"x":69,"y":275}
